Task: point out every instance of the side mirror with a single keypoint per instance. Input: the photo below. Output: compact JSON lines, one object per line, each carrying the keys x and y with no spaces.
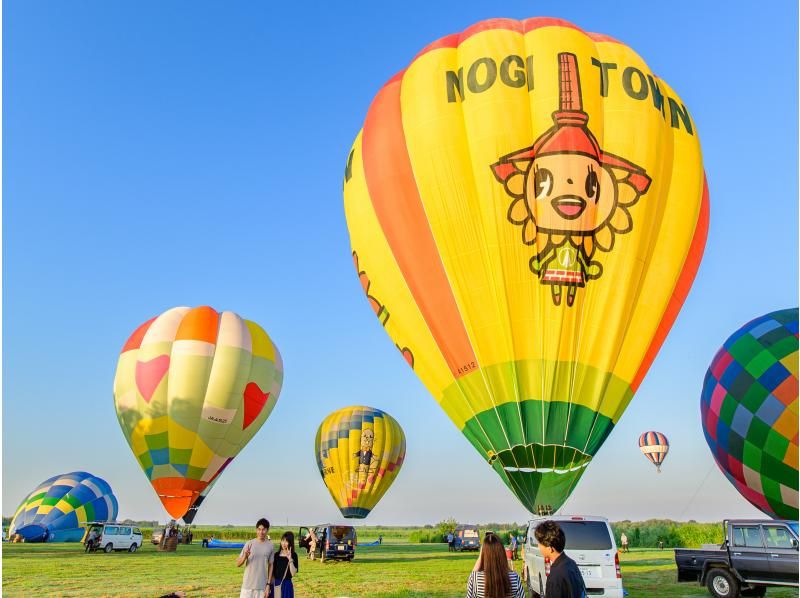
{"x":794,"y":543}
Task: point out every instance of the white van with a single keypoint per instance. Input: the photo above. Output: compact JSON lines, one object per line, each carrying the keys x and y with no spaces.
{"x":112,"y":536}
{"x":590,"y":543}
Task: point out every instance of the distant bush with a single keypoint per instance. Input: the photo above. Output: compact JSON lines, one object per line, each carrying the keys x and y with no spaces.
{"x":422,"y":536}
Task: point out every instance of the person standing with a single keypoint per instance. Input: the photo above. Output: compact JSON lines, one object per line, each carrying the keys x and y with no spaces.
{"x":285,"y":567}
{"x":380,"y":539}
{"x":450,"y":539}
{"x":624,"y":540}
{"x":312,"y":545}
{"x":258,"y":556}
{"x":491,"y":576}
{"x":565,"y":580}
{"x":513,"y":547}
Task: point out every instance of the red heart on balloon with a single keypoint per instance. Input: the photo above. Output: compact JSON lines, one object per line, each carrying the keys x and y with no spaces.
{"x":254,"y":401}
{"x":149,"y":375}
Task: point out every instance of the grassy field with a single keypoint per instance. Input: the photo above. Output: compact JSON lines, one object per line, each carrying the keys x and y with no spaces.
{"x":390,"y":570}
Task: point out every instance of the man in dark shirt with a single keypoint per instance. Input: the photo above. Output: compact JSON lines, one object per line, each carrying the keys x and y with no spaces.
{"x":565,"y":579}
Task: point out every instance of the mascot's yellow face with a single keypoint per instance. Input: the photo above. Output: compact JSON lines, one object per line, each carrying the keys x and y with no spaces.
{"x":569,"y":193}
{"x":367,"y":439}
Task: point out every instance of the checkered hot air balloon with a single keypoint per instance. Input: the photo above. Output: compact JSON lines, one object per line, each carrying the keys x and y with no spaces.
{"x":359,"y":453}
{"x":749,"y":412}
{"x":654,"y":446}
{"x":59,"y":508}
{"x":192,"y":387}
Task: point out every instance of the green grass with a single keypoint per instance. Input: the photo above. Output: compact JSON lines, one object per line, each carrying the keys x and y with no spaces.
{"x":393,"y":570}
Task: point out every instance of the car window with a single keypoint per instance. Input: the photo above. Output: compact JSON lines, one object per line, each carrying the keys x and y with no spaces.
{"x":342,"y":532}
{"x":747,"y":536}
{"x":777,"y":536}
{"x":111,"y":530}
{"x":136,"y":530}
{"x":470,"y":533}
{"x":125,"y":531}
{"x":586,"y":535}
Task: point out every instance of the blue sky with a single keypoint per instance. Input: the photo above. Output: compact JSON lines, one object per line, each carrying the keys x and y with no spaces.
{"x":187,"y":153}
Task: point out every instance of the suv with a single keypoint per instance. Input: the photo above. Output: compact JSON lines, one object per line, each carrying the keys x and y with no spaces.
{"x":157,"y":535}
{"x":590,"y":543}
{"x":466,"y":537}
{"x":337,"y":541}
{"x":111,"y":536}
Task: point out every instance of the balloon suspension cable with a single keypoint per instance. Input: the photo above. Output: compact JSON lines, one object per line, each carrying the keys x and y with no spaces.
{"x":697,"y":491}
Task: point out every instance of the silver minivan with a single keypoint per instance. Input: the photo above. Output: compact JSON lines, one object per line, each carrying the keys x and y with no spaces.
{"x":590,"y":543}
{"x":112,"y":536}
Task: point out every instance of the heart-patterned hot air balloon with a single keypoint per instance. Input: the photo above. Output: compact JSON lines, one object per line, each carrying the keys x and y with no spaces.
{"x":192,"y":387}
{"x":528,"y":205}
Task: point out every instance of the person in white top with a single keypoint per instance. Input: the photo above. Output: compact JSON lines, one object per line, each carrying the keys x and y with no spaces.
{"x":491,"y":576}
{"x":257,"y":556}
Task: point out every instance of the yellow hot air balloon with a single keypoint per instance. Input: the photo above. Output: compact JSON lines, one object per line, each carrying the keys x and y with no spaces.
{"x":359,"y":453}
{"x":192,"y":387}
{"x":527,"y":211}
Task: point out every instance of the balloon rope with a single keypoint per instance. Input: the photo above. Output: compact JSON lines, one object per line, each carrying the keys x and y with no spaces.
{"x":697,"y":491}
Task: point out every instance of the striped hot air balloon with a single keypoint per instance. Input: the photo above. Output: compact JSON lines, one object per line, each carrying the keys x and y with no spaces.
{"x":359,"y":453}
{"x":526,"y":220}
{"x":59,"y":508}
{"x":654,"y":446}
{"x":192,"y":387}
{"x":749,"y":410}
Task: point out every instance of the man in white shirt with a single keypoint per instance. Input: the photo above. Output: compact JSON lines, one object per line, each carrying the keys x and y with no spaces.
{"x":257,"y":556}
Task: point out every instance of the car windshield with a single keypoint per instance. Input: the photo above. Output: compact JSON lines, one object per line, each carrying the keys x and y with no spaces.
{"x":470,"y":533}
{"x":586,"y":535}
{"x":794,"y":527}
{"x":342,"y":532}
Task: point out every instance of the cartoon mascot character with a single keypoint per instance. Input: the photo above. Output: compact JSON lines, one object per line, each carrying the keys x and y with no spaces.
{"x":570,"y":197}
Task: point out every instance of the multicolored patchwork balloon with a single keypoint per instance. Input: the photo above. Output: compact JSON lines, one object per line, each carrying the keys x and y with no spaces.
{"x":59,"y":508}
{"x":192,"y":387}
{"x":359,"y":453}
{"x":749,"y":411}
{"x":527,"y":211}
{"x":654,"y":446}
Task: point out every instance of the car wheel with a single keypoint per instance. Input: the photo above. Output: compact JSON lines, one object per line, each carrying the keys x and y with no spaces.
{"x":722,"y":584}
{"x":108,"y":547}
{"x":133,"y":547}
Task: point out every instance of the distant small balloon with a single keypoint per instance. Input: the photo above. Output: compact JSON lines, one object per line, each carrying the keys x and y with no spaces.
{"x":654,"y":446}
{"x":359,"y":453}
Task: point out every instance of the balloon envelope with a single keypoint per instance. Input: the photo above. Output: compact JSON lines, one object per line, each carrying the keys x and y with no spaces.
{"x":654,"y":446}
{"x":192,"y":387}
{"x":527,"y":210}
{"x":749,"y":412}
{"x":58,"y":509}
{"x":359,"y":453}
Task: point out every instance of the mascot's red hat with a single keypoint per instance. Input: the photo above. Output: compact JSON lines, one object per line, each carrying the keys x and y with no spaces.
{"x":570,"y":134}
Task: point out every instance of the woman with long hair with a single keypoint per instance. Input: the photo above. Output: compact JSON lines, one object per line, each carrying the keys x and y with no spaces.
{"x":284,"y":568}
{"x":491,"y":577}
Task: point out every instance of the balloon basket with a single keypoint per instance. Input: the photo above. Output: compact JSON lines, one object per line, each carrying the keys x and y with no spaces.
{"x":169,"y":544}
